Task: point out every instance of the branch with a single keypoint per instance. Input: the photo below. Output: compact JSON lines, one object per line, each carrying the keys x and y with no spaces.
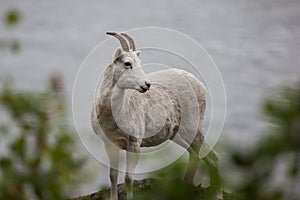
{"x":104,"y":194}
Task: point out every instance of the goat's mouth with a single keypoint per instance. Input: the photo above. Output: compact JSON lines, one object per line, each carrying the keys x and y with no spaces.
{"x":142,"y":89}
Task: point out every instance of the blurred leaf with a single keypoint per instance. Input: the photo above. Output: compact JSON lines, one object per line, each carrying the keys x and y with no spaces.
{"x":12,"y":17}
{"x":40,"y":155}
{"x":5,"y":163}
{"x":18,"y":147}
{"x":15,"y":46}
{"x":259,"y":164}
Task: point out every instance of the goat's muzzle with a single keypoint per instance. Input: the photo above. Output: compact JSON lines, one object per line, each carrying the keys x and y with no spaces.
{"x":144,"y":88}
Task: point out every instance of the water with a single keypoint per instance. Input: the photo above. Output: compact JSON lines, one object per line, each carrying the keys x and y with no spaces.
{"x":256,"y":45}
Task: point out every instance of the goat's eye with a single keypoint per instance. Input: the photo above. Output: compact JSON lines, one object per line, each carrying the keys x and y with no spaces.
{"x":128,"y":64}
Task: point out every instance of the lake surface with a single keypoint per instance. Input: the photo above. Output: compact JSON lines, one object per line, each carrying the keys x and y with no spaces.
{"x":255,"y":44}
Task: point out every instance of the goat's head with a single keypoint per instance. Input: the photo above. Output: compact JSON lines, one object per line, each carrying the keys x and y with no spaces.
{"x":128,"y":72}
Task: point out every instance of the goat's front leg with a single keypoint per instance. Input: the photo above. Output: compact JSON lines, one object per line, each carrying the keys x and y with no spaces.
{"x":132,"y":158}
{"x":113,"y":155}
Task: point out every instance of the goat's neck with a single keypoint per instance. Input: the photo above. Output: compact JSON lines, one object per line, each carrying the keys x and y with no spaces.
{"x":114,"y":109}
{"x":112,"y":99}
{"x":118,"y":100}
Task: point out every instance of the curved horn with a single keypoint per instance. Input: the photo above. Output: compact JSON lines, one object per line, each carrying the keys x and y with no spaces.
{"x":121,"y":39}
{"x":130,"y":40}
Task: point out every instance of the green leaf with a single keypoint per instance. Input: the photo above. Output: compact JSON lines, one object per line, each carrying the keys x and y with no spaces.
{"x":12,"y":17}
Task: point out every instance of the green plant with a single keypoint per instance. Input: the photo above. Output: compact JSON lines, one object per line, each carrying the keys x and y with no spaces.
{"x":11,"y":19}
{"x":37,"y":160}
{"x":280,"y":146}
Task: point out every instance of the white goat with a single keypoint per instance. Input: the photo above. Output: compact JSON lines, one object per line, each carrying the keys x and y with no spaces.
{"x":121,"y":113}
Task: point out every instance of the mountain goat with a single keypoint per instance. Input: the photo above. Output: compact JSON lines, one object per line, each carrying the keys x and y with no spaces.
{"x":121,"y":113}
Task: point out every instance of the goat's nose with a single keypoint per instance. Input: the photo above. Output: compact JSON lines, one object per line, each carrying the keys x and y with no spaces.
{"x":148,"y":85}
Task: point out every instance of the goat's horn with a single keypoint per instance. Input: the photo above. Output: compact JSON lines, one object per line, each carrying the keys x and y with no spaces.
{"x":121,"y":39}
{"x":130,"y":40}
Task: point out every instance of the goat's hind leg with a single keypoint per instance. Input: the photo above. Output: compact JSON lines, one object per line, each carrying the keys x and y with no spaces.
{"x":193,"y":150}
{"x":212,"y":161}
{"x":192,"y":164}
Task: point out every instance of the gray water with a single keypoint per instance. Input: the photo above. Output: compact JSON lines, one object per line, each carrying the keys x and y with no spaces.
{"x":256,"y":45}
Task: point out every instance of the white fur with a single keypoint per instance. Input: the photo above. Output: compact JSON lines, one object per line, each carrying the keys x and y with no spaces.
{"x":122,"y":115}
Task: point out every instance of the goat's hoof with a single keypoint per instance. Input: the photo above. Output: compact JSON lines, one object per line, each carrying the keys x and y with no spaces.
{"x":219,"y":196}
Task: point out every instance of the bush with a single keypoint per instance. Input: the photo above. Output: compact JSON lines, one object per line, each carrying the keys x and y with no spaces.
{"x":38,"y":160}
{"x":281,"y":146}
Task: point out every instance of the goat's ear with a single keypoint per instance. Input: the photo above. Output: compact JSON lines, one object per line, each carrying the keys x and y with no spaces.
{"x":138,"y":52}
{"x":118,"y":53}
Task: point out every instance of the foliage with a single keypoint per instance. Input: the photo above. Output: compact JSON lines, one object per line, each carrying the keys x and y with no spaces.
{"x":11,"y":19}
{"x":148,"y":189}
{"x":280,"y":147}
{"x":168,"y":184}
{"x":38,"y":162}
